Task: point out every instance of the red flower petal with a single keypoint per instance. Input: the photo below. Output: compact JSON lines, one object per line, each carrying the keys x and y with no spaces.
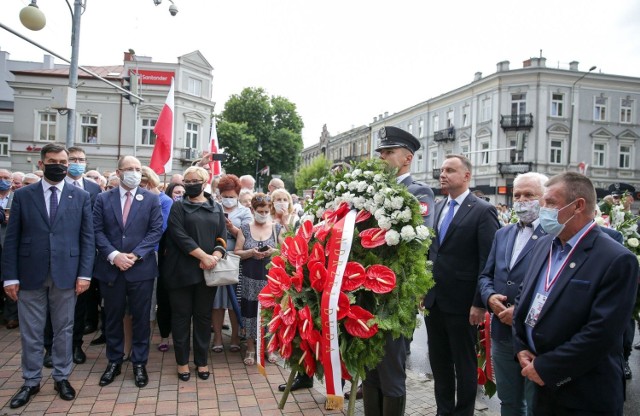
{"x":339,"y":212}
{"x":298,"y":251}
{"x":278,"y":280}
{"x":278,"y":261}
{"x":315,"y":341}
{"x":297,"y":279}
{"x":362,"y":216}
{"x":354,"y":276}
{"x":276,"y":320}
{"x":286,"y":350}
{"x":317,"y":275}
{"x":288,"y":313}
{"x":345,"y":372}
{"x":482,"y":378}
{"x":267,"y":298}
{"x":357,"y":325}
{"x":323,"y":231}
{"x":308,"y":359}
{"x":343,"y":306}
{"x":274,"y":343}
{"x":286,"y":333}
{"x":373,"y":237}
{"x":305,"y":230}
{"x":305,"y":322}
{"x":380,"y":279}
{"x":317,"y":253}
{"x":284,"y":247}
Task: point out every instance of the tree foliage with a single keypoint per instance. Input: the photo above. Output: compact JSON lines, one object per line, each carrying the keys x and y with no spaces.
{"x":309,"y":176}
{"x":252,"y":119}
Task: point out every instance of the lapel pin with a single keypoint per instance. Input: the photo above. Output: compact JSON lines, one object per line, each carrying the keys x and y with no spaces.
{"x":535,"y":237}
{"x":572,"y":265}
{"x":139,"y":197}
{"x":70,"y":196}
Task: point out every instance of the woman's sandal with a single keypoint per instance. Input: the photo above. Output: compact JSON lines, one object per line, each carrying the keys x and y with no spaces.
{"x":217,"y":348}
{"x":272,"y":358}
{"x":249,"y":358}
{"x":234,"y":347}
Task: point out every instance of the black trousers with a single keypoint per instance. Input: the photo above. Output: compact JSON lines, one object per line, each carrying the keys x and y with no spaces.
{"x":163,"y":311}
{"x":192,"y":304}
{"x":453,"y":360}
{"x":545,"y":404}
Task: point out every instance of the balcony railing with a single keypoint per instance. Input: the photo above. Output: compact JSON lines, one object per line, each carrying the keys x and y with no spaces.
{"x":445,"y":135}
{"x":435,"y":173}
{"x":517,"y":122}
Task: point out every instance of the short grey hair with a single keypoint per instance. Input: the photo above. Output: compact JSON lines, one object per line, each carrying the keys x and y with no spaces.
{"x":538,"y":177}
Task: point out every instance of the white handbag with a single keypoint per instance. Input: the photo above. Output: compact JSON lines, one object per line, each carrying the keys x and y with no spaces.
{"x":226,"y":272}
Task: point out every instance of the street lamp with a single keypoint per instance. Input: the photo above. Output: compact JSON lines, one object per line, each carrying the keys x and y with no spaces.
{"x":573,"y":109}
{"x":173,"y":9}
{"x":32,"y":18}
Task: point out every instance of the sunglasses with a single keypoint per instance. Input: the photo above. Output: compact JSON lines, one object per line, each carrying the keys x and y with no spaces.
{"x":266,"y":198}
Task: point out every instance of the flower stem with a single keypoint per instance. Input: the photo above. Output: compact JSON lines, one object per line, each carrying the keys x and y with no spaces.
{"x":352,"y":396}
{"x":287,"y":390}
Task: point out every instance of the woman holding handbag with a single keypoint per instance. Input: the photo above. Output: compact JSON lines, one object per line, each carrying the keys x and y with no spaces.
{"x":190,"y":247}
{"x":255,"y":245}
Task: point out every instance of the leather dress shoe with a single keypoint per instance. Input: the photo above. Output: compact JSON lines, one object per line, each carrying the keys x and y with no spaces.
{"x":113,"y":369}
{"x":23,"y":395}
{"x":79,"y":357}
{"x":358,"y":393}
{"x":99,"y":341}
{"x":89,"y":329}
{"x":12,"y":324}
{"x":184,"y":376}
{"x":140,"y":375}
{"x":65,"y":390}
{"x":203,"y":375}
{"x":300,"y":382}
{"x":48,"y":361}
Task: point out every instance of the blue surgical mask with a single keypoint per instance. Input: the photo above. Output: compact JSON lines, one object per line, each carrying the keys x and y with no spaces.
{"x":76,"y":169}
{"x":5,"y":185}
{"x":549,"y":220}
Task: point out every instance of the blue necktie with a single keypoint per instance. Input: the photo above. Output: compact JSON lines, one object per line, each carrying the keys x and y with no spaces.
{"x":447,"y":220}
{"x":53,"y":205}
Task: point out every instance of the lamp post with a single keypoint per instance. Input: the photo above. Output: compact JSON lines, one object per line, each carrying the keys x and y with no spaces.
{"x":573,"y":109}
{"x":258,"y":165}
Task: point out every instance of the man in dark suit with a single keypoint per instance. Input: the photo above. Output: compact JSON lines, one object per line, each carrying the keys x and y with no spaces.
{"x":128,"y":226}
{"x":77,"y":165}
{"x":465,"y":226}
{"x":504,"y":271}
{"x":573,"y":307}
{"x":47,"y":261}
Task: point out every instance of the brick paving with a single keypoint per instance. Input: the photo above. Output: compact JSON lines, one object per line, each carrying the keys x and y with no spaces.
{"x":232,"y":390}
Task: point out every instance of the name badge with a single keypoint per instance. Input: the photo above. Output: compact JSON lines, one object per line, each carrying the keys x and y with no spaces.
{"x":534,"y":311}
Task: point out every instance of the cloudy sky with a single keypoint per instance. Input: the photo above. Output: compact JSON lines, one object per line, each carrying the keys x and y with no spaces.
{"x":342,"y":62}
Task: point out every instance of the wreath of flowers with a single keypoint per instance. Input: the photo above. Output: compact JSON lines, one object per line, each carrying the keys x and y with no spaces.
{"x":385,"y":278}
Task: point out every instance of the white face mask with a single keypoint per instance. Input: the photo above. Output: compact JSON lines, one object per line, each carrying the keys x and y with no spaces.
{"x":281,"y":206}
{"x":229,"y":202}
{"x":260,"y":218}
{"x":131,"y":178}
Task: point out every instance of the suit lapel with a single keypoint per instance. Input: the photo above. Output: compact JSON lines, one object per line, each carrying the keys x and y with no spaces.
{"x":511,"y":241}
{"x":463,"y":210}
{"x":115,"y":205}
{"x":537,"y":233}
{"x":439,"y":208}
{"x":38,"y":197}
{"x":65,"y":200}
{"x":135,"y":206}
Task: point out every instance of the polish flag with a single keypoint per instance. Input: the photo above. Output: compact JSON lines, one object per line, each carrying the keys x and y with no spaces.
{"x":214,"y":165}
{"x":162,"y":156}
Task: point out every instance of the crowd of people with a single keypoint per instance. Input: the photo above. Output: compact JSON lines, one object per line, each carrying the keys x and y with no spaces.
{"x":125,"y":252}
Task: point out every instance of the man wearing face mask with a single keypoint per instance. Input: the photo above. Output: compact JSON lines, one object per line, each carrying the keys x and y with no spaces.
{"x":575,"y":301}
{"x":47,"y":262}
{"x":128,"y":227}
{"x":498,"y":284}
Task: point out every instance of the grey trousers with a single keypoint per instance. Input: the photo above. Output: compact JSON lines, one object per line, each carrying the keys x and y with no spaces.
{"x":32,"y":312}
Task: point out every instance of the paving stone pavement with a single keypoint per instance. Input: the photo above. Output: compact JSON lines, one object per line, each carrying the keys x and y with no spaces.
{"x":233,"y":389}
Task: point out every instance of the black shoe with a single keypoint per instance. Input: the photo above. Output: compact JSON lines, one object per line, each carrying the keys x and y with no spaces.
{"x":140,"y":375}
{"x":358,"y":393}
{"x":65,"y":390}
{"x":627,"y":370}
{"x":79,"y":357}
{"x":637,"y":346}
{"x":184,"y":376}
{"x":23,"y":395}
{"x":47,"y":362}
{"x":113,"y":369}
{"x":203,"y":375}
{"x":99,"y":341}
{"x":89,"y":329}
{"x":300,"y":382}
{"x":225,"y":326}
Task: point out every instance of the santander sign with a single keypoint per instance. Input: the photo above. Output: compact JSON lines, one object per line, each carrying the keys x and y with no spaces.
{"x":155,"y":77}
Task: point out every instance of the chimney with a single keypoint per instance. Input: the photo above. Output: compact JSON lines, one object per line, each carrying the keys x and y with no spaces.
{"x":386,"y":114}
{"x":573,"y":65}
{"x":375,"y":119}
{"x":503,"y":66}
{"x":477,"y":76}
{"x":543,"y":62}
{"x":48,"y":62}
{"x":128,"y":56}
{"x":380,"y":116}
{"x":527,"y":63}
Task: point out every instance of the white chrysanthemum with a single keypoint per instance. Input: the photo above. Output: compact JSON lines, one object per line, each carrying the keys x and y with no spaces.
{"x":353,"y":186}
{"x":633,"y":242}
{"x":341,"y":186}
{"x":359,"y":202}
{"x":397,"y":202}
{"x":378,"y":198}
{"x":405,"y":215}
{"x":392,"y":238}
{"x":379,"y":213}
{"x":378,"y":177}
{"x":362,"y":185}
{"x":408,"y":233}
{"x":422,"y":232}
{"x":370,"y":189}
{"x":384,"y":223}
{"x":356,"y":172}
{"x":367,"y":174}
{"x":347,"y":175}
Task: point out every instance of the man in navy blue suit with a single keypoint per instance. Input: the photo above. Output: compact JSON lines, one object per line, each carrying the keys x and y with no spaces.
{"x":576,"y":299}
{"x":128,"y":227}
{"x":499,"y":282}
{"x":47,"y":261}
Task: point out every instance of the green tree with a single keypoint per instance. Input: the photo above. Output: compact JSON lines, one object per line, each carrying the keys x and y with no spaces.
{"x":309,"y":176}
{"x":261,"y":122}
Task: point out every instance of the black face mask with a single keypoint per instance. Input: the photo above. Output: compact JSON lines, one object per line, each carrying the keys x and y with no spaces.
{"x":193,"y":190}
{"x":55,"y":172}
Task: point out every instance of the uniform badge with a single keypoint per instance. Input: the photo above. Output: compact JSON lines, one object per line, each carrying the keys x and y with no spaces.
{"x":139,"y":197}
{"x":424,"y":209}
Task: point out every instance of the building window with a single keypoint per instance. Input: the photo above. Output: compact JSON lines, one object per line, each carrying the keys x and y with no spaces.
{"x":484,"y":155}
{"x":436,"y":123}
{"x":195,"y":87}
{"x":4,"y":145}
{"x":600,"y":109}
{"x":89,"y":129}
{"x":598,"y":155}
{"x":624,"y":161}
{"x":555,"y":152}
{"x":47,"y":126}
{"x":486,"y":109}
{"x":557,"y":105}
{"x":626,"y":107}
{"x":518,"y":104}
{"x":410,"y":128}
{"x":464,"y":149}
{"x":450,"y":116}
{"x":148,"y":137}
{"x":465,"y":116}
{"x":191,"y":135}
{"x":419,"y":163}
{"x":434,"y":159}
{"x":420,"y":128}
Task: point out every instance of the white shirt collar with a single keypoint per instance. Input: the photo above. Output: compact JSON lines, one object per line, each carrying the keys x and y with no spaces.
{"x":123,"y":192}
{"x":460,"y":198}
{"x":402,"y":177}
{"x":46,"y":185}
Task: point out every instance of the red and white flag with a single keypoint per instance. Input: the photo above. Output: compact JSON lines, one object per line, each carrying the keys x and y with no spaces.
{"x":162,"y":156}
{"x":214,"y":166}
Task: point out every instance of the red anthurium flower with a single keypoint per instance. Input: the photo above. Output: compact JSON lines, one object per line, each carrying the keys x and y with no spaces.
{"x":288,"y":312}
{"x":362,"y":216}
{"x":317,"y":253}
{"x":278,"y":280}
{"x":373,"y":237}
{"x":307,"y":357}
{"x":343,"y":305}
{"x":345,"y":372}
{"x":274,"y":343}
{"x":317,"y":275}
{"x":315,"y":341}
{"x":305,"y":230}
{"x":322,"y":231}
{"x":298,"y":251}
{"x":286,"y":333}
{"x":284,"y":247}
{"x":278,"y":261}
{"x":338,"y":213}
{"x":297,"y":279}
{"x":267,"y":298}
{"x":380,"y":279}
{"x":305,"y":322}
{"x":482,"y":378}
{"x":354,"y":276}
{"x":276,"y":321}
{"x":356,"y":323}
{"x":286,"y":350}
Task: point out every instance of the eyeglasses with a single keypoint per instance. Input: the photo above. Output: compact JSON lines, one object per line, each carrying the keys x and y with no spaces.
{"x":194,"y":182}
{"x":95,"y":178}
{"x":77,"y":159}
{"x":266,"y":198}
